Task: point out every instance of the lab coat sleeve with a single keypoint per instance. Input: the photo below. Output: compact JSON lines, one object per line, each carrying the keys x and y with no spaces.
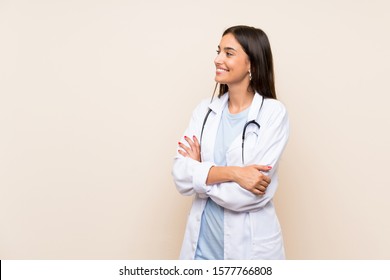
{"x":269,"y":148}
{"x":190,"y":175}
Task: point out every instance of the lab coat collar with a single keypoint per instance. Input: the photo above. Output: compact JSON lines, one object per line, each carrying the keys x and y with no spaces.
{"x":255,"y":107}
{"x":219,"y":103}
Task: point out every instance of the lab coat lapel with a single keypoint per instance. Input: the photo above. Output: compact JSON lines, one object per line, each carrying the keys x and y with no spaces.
{"x":255,"y":107}
{"x":211,"y":127}
{"x":254,"y":112}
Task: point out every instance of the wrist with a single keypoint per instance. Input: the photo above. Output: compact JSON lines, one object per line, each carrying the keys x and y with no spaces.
{"x":220,"y":174}
{"x":233,"y":173}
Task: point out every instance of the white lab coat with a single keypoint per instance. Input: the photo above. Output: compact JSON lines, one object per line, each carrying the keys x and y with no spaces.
{"x":251,"y":227}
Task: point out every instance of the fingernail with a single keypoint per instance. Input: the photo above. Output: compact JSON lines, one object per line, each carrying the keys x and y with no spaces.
{"x":185,"y":137}
{"x":179,"y":143}
{"x":269,"y":167}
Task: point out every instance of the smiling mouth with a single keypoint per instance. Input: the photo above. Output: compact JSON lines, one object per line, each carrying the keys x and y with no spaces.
{"x":221,"y":70}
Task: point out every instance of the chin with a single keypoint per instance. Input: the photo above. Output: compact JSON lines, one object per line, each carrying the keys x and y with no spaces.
{"x":219,"y":80}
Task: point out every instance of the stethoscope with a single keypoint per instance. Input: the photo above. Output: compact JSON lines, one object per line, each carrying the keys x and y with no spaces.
{"x":252,"y":122}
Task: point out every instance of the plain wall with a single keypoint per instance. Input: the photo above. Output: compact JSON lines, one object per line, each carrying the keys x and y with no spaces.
{"x":95,"y":94}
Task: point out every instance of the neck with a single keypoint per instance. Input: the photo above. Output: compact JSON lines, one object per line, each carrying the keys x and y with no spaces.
{"x":239,"y":99}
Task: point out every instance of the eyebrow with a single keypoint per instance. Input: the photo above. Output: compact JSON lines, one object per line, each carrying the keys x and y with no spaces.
{"x":227,"y":49}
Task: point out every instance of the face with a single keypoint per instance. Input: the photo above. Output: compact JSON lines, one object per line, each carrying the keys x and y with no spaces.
{"x":232,"y":63}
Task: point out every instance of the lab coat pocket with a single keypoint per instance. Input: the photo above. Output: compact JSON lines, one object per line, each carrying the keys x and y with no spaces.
{"x":268,"y":248}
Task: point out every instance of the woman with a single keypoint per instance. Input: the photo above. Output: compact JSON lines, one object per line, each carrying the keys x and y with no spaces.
{"x":229,"y":154}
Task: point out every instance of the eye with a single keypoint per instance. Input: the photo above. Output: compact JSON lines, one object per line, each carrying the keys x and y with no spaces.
{"x":229,"y":54}
{"x":218,"y":51}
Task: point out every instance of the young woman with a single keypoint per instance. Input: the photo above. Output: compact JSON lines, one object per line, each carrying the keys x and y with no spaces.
{"x":228,"y":156}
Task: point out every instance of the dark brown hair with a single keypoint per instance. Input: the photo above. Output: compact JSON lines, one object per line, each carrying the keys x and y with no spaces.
{"x":256,"y":45}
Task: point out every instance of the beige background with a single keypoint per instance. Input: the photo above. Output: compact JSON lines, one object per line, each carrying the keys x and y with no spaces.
{"x":95,"y":94}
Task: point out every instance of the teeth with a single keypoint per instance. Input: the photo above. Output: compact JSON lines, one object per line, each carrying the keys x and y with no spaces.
{"x":221,"y":70}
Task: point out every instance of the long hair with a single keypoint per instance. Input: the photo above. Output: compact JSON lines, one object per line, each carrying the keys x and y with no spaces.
{"x":256,"y":45}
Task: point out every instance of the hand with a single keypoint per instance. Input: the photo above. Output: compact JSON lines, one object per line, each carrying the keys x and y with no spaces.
{"x":193,"y":151}
{"x":252,"y":179}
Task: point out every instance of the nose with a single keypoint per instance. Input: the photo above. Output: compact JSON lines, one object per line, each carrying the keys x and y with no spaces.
{"x":218,"y":60}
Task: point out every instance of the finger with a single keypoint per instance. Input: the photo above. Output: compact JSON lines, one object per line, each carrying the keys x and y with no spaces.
{"x":267,"y":179}
{"x":264,"y":184}
{"x":264,"y":180}
{"x":196,"y":143}
{"x":264,"y":168}
{"x":189,"y":141}
{"x":196,"y":140}
{"x":184,"y":147}
{"x":261,"y":188}
{"x":258,"y":192}
{"x":194,"y":146}
{"x":184,"y":154}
